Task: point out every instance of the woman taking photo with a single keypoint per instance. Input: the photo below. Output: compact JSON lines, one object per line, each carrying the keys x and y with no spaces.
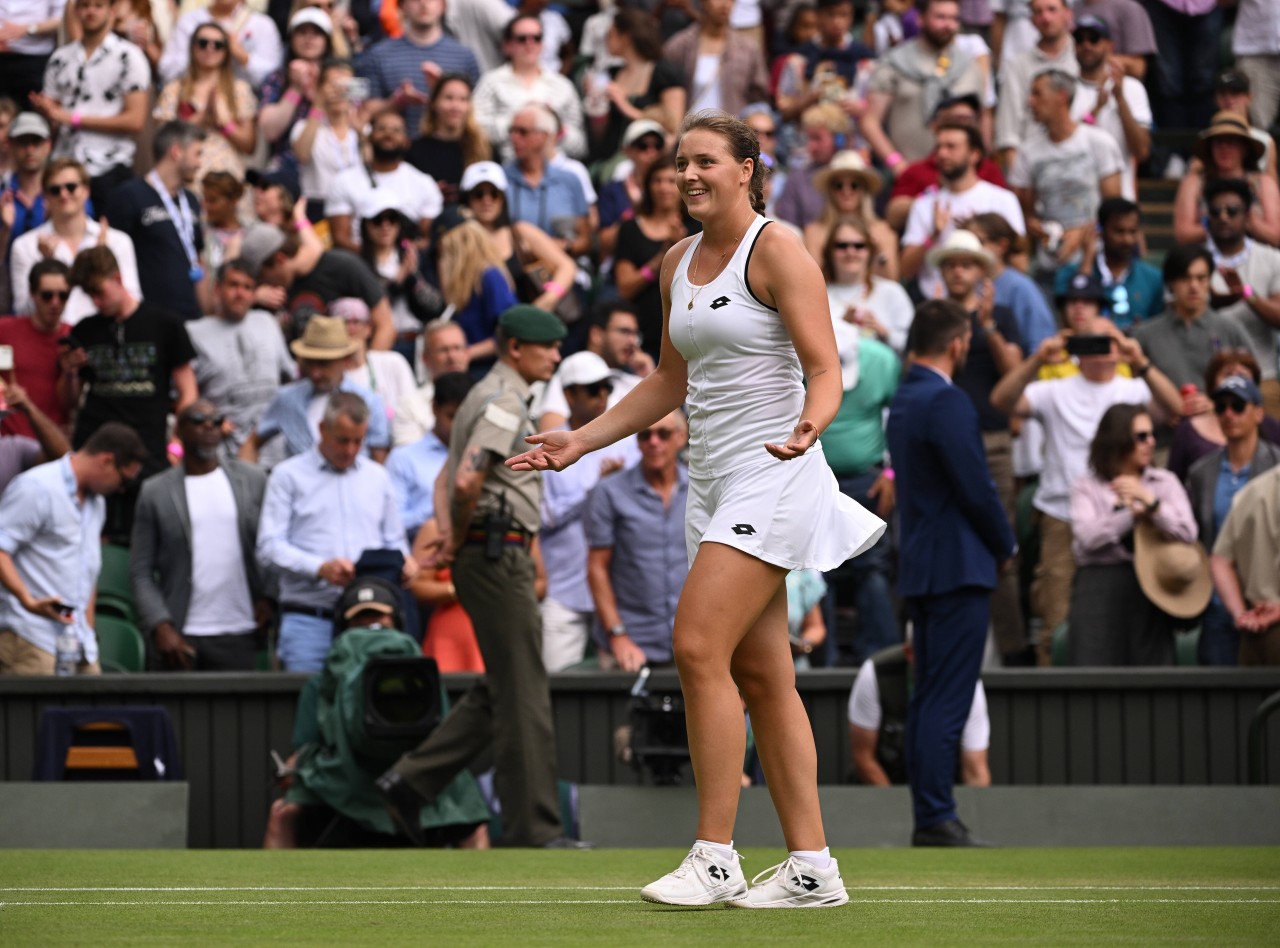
{"x":749,"y":343}
{"x":880,"y":308}
{"x":327,"y":143}
{"x":451,"y":137}
{"x":849,"y":187}
{"x":1112,"y":622}
{"x":524,"y":248}
{"x":643,"y":242}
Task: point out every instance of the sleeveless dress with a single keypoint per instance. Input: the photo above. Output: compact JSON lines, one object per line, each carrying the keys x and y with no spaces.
{"x":746,"y":388}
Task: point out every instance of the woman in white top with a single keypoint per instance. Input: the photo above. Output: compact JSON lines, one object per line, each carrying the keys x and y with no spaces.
{"x":504,"y":91}
{"x":879,"y":307}
{"x":67,"y":231}
{"x":749,"y":339}
{"x":327,"y":141}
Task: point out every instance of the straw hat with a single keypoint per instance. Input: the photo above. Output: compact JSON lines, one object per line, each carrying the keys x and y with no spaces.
{"x":962,"y":243}
{"x":847,"y":164}
{"x":1174,"y":575}
{"x":1230,"y":125}
{"x":325,"y":340}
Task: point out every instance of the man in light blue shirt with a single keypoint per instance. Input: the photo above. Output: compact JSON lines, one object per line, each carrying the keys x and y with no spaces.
{"x":567,"y":609}
{"x":548,"y":197}
{"x":295,"y":412}
{"x":414,"y":467}
{"x":323,"y":509}
{"x":638,"y":559}
{"x":51,"y":520}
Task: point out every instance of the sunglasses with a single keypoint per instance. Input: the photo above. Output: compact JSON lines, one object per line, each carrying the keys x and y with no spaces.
{"x":594,"y":389}
{"x":218,"y":44}
{"x":647,"y":144}
{"x":1086,"y":37}
{"x":71,"y":187}
{"x":663,"y":434}
{"x":1143,"y":437}
{"x":850,"y":245}
{"x":200,"y":420}
{"x":766,"y":133}
{"x":848,"y":184}
{"x":50,"y":295}
{"x":484,"y":191}
{"x":386,"y":217}
{"x":527,"y":38}
{"x":1233,"y":403}
{"x":1228,"y":211}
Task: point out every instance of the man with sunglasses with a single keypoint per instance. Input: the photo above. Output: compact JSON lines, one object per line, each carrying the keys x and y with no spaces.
{"x":1135,"y":289}
{"x":1246,"y":287}
{"x":637,"y":562}
{"x":51,"y":520}
{"x":567,"y":609}
{"x":197,"y":586}
{"x":40,"y":358}
{"x":1212,"y":484}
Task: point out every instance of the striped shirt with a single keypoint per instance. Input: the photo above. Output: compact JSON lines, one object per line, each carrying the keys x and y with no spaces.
{"x":389,"y":63}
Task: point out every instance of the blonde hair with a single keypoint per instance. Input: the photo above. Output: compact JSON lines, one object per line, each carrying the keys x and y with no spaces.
{"x":226,"y":75}
{"x":466,"y":252}
{"x":826,"y":115}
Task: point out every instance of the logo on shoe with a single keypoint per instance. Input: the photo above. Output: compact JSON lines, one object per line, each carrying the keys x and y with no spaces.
{"x":807,"y":883}
{"x":720,"y":875}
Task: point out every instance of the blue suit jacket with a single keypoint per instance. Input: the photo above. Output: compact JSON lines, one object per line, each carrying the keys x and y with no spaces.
{"x":954,"y":529}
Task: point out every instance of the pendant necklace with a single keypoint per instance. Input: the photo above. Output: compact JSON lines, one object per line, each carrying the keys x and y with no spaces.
{"x":698,"y":255}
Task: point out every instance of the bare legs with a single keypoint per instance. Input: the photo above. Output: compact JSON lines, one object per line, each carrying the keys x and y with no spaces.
{"x":730,"y":637}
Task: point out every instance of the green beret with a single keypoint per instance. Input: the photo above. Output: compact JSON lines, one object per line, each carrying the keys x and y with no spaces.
{"x":530,"y":324}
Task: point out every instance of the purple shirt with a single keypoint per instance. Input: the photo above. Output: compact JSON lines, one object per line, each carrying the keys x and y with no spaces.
{"x":1099,"y":531}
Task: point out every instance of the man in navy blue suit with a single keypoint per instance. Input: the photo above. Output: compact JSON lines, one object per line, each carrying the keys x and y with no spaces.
{"x":955,"y":539}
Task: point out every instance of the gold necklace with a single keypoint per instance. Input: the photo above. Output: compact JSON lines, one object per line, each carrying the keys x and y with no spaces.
{"x":697,"y":255}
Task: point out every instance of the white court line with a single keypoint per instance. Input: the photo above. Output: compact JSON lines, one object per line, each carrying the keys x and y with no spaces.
{"x":629,"y":888}
{"x":437,"y":902}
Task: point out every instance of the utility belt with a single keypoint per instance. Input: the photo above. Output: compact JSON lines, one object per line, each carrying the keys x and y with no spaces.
{"x":496,"y":532}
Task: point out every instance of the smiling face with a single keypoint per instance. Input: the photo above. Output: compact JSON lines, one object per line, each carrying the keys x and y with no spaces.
{"x":308,"y":42}
{"x":850,"y":251}
{"x":451,"y":105}
{"x":710,"y":178}
{"x":664,"y":190}
{"x":486,"y":203}
{"x":208,"y":47}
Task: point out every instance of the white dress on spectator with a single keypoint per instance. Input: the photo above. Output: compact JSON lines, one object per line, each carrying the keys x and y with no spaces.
{"x":25,"y":254}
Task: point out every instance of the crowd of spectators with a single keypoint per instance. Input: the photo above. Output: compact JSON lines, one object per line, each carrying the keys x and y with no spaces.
{"x":255,"y":255}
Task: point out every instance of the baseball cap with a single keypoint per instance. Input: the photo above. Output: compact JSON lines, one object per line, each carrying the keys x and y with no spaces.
{"x":260,"y":241}
{"x":1232,"y":80}
{"x":639,"y":129}
{"x":277,"y":176}
{"x":583,"y":368}
{"x":29,"y":123}
{"x":483,"y":172}
{"x":313,"y":15}
{"x":1084,"y":286}
{"x":1241,"y":386}
{"x":1092,"y":24}
{"x":531,"y":324}
{"x":368,"y":595}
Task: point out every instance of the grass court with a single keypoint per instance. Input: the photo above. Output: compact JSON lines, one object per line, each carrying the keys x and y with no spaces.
{"x":1209,"y":896}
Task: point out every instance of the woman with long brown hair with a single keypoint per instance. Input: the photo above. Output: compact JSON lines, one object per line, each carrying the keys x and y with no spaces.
{"x":749,"y":346}
{"x":209,"y":94}
{"x":451,"y":139}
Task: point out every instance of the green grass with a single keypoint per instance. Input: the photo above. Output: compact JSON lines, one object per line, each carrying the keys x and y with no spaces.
{"x":1012,"y":896}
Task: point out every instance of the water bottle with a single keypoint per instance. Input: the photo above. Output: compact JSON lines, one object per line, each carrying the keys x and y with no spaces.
{"x":66,"y":651}
{"x":595,"y":104}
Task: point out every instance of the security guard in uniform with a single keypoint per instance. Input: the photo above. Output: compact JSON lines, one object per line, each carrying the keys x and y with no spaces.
{"x":489,"y":515}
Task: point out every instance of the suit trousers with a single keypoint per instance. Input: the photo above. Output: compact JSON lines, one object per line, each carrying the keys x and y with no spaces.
{"x":949,"y":632}
{"x":509,"y":708}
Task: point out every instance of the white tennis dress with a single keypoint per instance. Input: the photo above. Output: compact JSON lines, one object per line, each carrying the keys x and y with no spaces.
{"x":746,"y":388}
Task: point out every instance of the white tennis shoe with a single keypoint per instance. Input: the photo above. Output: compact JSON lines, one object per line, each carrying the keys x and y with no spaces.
{"x":704,"y":878}
{"x":795,"y":884}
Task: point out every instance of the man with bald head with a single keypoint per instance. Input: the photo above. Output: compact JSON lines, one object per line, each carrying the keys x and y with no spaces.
{"x":197,"y":587}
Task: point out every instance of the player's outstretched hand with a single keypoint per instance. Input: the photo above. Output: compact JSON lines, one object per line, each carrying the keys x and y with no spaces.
{"x":801,"y":440}
{"x":555,"y":451}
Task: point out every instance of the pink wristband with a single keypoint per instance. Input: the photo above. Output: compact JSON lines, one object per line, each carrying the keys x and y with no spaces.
{"x":304,"y":224}
{"x":1247,"y":292}
{"x":895,"y":158}
{"x":292,"y":97}
{"x":647,"y":272}
{"x":316,"y":115}
{"x":229,"y":129}
{"x":552,"y":286}
{"x":888,"y":474}
{"x":75,"y":120}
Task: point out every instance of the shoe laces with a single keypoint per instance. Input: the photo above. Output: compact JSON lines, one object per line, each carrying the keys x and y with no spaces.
{"x":787,"y":872}
{"x":689,"y":865}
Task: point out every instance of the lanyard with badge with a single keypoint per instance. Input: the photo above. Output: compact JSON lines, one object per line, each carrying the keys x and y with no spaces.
{"x":183,"y":222}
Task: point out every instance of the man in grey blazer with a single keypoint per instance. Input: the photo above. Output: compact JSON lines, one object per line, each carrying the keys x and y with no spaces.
{"x":197,"y":586}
